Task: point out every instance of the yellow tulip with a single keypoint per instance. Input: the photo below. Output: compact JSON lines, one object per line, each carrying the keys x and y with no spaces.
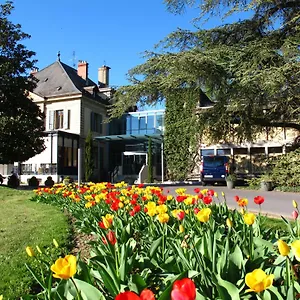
{"x":64,"y":268}
{"x":203,"y":215}
{"x":1,"y":297}
{"x":283,"y":248}
{"x":295,"y":204}
{"x":296,"y":249}
{"x":162,"y":209}
{"x":249,"y":218}
{"x":163,"y":218}
{"x":229,"y":223}
{"x":258,"y":280}
{"x":29,"y":251}
{"x":181,"y":228}
{"x":216,"y":194}
{"x":55,"y":243}
{"x":223,"y":194}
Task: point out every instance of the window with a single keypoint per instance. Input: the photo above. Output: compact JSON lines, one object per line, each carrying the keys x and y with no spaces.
{"x":96,"y":122}
{"x":206,"y":152}
{"x":59,"y":119}
{"x":27,"y":169}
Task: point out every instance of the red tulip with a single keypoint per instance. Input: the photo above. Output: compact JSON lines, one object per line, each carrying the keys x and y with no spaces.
{"x":111,"y":237}
{"x":197,"y":190}
{"x":132,"y":213}
{"x":180,"y":215}
{"x":183,"y":289}
{"x":147,"y":295}
{"x":211,"y":193}
{"x":207,"y":199}
{"x":137,"y":208}
{"x":196,"y":210}
{"x":127,"y":296}
{"x":295,"y":214}
{"x":236,"y":198}
{"x":259,"y":200}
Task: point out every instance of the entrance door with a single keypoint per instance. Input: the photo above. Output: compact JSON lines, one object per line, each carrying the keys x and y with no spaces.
{"x":132,"y":162}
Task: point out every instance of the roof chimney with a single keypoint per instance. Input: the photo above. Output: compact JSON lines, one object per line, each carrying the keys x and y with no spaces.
{"x":82,"y":70}
{"x":103,"y":76}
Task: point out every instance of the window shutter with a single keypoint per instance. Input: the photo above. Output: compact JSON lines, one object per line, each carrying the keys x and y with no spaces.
{"x":100,"y":124}
{"x":92,"y":120}
{"x":51,"y":119}
{"x":66,"y":119}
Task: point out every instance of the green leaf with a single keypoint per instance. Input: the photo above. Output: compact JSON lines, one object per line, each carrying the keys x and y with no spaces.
{"x":232,"y":290}
{"x":36,"y":277}
{"x":154,"y":247}
{"x":88,"y":291}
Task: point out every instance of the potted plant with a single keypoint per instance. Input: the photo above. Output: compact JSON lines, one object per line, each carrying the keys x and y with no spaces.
{"x":230,"y":181}
{"x":266,"y":182}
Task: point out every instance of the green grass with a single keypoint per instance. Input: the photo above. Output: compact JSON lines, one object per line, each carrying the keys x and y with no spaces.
{"x":25,"y":223}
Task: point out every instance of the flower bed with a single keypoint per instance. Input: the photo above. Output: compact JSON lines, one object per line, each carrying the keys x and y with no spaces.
{"x":151,"y":245}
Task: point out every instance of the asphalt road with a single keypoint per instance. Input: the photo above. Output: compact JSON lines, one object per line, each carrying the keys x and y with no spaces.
{"x":276,"y":203}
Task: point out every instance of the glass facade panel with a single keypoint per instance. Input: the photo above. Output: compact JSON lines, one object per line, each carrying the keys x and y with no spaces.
{"x":206,"y":152}
{"x":144,"y":123}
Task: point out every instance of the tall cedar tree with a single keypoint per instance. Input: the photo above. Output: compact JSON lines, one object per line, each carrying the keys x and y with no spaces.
{"x":249,"y":68}
{"x":21,"y":121}
{"x":89,"y":161}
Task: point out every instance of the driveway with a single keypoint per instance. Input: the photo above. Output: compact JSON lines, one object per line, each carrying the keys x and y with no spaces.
{"x":276,"y":203}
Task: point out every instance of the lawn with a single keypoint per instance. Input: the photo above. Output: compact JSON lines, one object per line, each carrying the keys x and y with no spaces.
{"x":24,"y":223}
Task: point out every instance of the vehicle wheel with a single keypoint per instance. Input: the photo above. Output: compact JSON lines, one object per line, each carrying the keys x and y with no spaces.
{"x":203,"y":183}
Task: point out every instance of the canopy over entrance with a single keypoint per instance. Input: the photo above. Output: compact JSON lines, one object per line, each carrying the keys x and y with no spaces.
{"x":157,"y":138}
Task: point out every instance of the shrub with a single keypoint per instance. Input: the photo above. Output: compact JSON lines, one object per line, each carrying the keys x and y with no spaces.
{"x":286,"y":171}
{"x":33,"y":181}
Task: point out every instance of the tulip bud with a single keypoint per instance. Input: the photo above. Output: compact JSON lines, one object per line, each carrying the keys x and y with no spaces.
{"x":283,"y":248}
{"x":29,"y":251}
{"x":181,"y":228}
{"x":229,"y":223}
{"x":295,"y":204}
{"x":216,"y":194}
{"x":223,"y":194}
{"x":295,"y":214}
{"x":55,"y":243}
{"x":39,"y":249}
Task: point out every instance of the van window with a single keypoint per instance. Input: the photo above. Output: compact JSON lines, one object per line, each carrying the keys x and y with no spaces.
{"x":214,"y":162}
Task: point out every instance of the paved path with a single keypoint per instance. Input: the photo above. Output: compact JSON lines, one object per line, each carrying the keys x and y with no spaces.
{"x":276,"y":203}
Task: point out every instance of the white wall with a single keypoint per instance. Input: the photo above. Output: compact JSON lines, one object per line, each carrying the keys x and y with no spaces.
{"x":92,"y":106}
{"x":73,"y":106}
{"x":45,"y":156}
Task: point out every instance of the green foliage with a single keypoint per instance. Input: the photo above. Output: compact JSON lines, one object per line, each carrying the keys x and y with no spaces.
{"x":181,"y":132}
{"x":150,"y":164}
{"x":33,"y":181}
{"x":249,"y":68}
{"x":89,"y":161}
{"x":24,"y":223}
{"x":286,"y":171}
{"x":21,"y":121}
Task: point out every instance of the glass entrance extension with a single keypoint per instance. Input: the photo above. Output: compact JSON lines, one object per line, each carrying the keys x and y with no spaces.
{"x":132,"y":162}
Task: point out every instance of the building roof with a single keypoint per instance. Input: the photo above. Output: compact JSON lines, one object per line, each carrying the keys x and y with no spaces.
{"x":59,"y":79}
{"x":204,"y":101}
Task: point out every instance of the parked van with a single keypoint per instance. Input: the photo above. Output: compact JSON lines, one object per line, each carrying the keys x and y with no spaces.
{"x":214,"y":169}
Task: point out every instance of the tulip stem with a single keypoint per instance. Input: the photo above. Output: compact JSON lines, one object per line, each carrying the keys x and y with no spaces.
{"x":288,"y":274}
{"x":77,"y":291}
{"x":293,"y":268}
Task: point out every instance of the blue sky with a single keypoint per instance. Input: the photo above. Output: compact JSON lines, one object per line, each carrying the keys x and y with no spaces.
{"x":113,"y":32}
